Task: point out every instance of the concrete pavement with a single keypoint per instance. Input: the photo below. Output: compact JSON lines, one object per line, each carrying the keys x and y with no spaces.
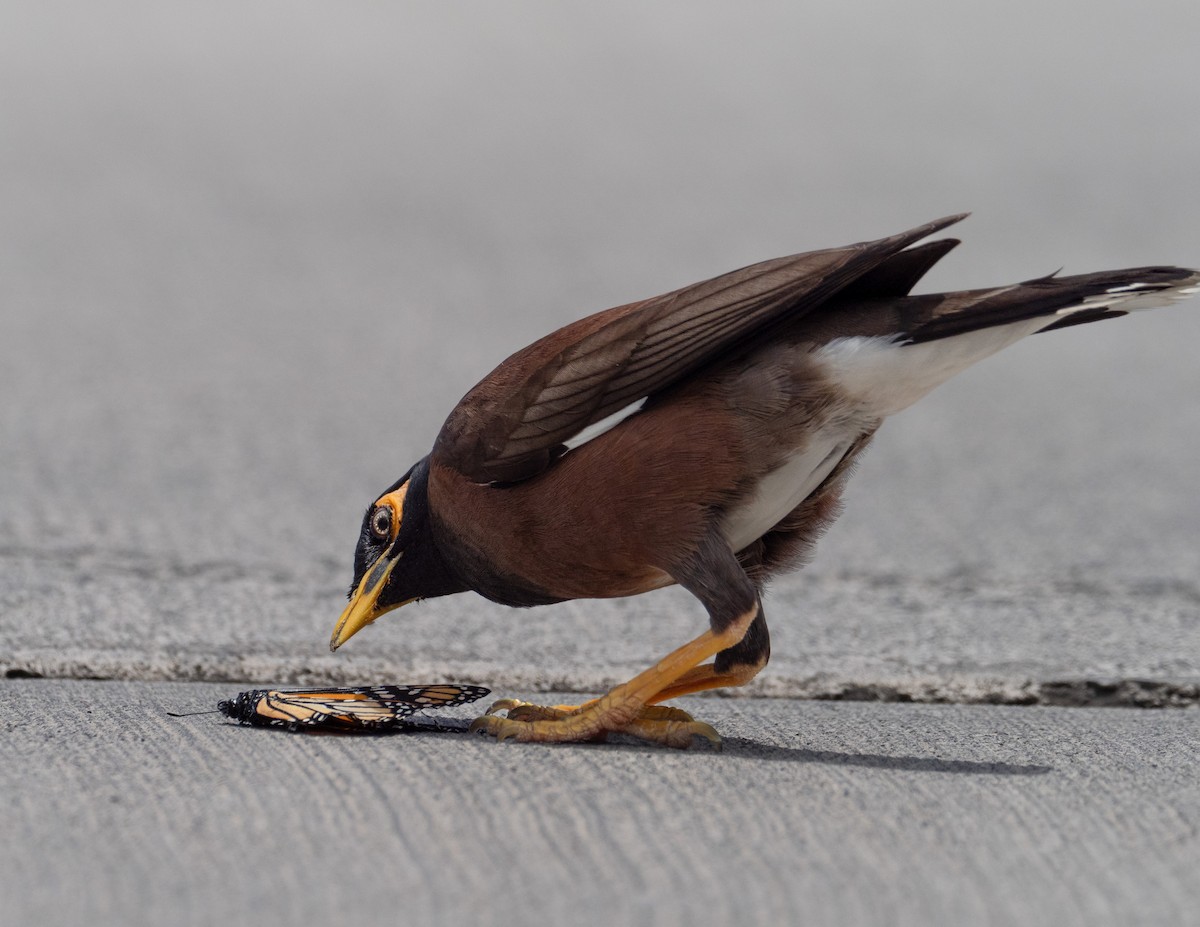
{"x":835,"y":814}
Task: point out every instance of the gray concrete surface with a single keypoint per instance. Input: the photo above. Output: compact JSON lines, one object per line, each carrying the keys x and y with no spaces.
{"x":835,"y":814}
{"x":250,"y":254}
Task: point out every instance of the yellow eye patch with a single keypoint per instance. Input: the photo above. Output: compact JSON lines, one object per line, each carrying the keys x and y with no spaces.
{"x":395,"y":502}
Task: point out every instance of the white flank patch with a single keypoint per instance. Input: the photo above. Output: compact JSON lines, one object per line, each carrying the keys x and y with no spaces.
{"x":885,"y":375}
{"x":785,"y":488}
{"x":608,"y":423}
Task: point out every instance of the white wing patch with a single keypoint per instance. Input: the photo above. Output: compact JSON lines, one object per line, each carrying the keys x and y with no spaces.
{"x":608,"y":423}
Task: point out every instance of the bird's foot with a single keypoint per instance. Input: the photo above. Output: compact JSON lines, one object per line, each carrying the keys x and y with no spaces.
{"x":594,"y":721}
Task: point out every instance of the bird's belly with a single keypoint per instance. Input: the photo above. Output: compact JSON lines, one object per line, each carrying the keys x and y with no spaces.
{"x":785,"y":487}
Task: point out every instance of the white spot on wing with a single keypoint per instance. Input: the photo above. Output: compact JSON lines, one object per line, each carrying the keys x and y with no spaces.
{"x":609,"y":422}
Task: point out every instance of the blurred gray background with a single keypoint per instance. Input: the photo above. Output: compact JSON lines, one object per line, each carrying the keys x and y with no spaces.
{"x":251,"y":255}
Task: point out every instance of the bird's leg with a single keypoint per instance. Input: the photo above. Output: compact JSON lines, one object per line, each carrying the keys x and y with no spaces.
{"x":733,"y":667}
{"x":622,"y":705}
{"x":715,"y":577}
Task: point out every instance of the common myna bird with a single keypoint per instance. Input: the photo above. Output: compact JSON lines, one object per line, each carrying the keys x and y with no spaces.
{"x":703,"y":438}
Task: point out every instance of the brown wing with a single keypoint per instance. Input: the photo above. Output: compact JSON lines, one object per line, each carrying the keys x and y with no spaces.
{"x":514,"y":423}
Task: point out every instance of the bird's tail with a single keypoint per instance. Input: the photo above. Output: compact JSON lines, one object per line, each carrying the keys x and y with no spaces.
{"x":1059,"y":301}
{"x":939,"y":335}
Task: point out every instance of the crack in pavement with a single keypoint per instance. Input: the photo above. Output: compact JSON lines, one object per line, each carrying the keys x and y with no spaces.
{"x":896,"y":677}
{"x":958,"y":689}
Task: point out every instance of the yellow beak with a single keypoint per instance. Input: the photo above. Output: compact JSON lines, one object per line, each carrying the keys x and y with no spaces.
{"x":364,"y":604}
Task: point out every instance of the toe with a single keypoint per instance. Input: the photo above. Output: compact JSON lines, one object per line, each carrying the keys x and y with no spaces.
{"x":666,"y":713}
{"x":552,"y":729}
{"x":677,"y":734}
{"x":528,"y":712}
{"x":505,"y":704}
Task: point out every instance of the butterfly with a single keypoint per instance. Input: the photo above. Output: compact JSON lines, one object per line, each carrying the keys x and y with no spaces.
{"x":369,"y":708}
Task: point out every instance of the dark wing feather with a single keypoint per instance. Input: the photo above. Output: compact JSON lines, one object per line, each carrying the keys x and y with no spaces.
{"x":513,"y":424}
{"x":897,"y":275}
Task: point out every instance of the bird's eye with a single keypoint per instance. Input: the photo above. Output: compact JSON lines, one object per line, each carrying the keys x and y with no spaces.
{"x":381,"y":523}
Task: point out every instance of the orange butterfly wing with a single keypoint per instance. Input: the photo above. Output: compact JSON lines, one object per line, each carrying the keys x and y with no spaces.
{"x":368,"y":708}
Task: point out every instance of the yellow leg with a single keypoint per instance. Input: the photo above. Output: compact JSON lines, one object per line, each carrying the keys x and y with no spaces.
{"x":697,"y":679}
{"x":621,"y":709}
{"x":703,"y":677}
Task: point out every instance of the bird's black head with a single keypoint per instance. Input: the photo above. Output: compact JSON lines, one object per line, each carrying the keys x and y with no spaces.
{"x":397,"y":560}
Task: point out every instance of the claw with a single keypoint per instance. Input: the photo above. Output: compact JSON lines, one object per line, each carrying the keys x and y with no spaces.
{"x":700,"y":729}
{"x":505,"y":704}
